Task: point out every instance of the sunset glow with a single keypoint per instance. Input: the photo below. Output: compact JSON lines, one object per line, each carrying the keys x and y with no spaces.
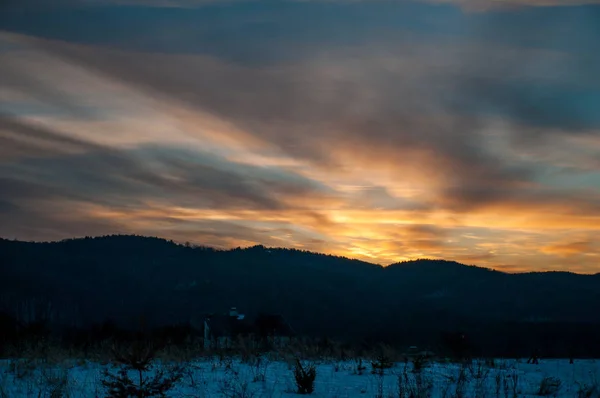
{"x":383,"y":131}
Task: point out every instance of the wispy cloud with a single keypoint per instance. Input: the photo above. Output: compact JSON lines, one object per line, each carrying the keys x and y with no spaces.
{"x":569,"y":249}
{"x":468,"y":4}
{"x":386,"y":138}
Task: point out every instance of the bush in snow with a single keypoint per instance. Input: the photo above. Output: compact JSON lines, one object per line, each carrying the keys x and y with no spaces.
{"x":147,"y":381}
{"x":549,"y":386}
{"x":588,"y":390}
{"x":55,"y":381}
{"x":419,"y":363}
{"x":233,"y":385}
{"x":381,"y":363}
{"x":258,"y":369}
{"x":359,"y":368}
{"x":305,"y":377}
{"x":413,"y":384}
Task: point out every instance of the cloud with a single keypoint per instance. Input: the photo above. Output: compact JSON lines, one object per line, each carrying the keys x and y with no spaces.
{"x":466,"y":84}
{"x":54,"y":168}
{"x":389,"y":138}
{"x":168,"y":175}
{"x":450,"y":150}
{"x":477,"y":5}
{"x":18,"y":139}
{"x":483,"y":5}
{"x":425,"y":231}
{"x":568,"y":249}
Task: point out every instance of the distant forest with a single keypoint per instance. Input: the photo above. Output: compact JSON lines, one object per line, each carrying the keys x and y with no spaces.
{"x":79,"y":284}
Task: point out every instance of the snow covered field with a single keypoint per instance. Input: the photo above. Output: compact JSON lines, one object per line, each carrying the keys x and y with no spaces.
{"x":232,"y":378}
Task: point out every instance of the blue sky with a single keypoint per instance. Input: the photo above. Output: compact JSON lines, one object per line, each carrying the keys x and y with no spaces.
{"x":384,"y":130}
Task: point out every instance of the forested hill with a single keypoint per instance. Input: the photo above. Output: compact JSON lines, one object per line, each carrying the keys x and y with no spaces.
{"x":123,"y":277}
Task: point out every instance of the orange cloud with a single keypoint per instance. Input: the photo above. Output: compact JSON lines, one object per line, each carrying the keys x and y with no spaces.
{"x":569,"y":249}
{"x":317,"y":155}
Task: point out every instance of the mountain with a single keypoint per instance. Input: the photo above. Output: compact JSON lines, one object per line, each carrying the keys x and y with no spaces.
{"x":124,"y":277}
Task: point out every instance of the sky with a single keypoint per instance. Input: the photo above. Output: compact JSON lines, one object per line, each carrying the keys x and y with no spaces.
{"x":467,"y":130}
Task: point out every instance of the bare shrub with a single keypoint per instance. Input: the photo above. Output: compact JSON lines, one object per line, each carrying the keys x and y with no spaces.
{"x":461,"y":382}
{"x":445,"y":391}
{"x":41,"y":379}
{"x":305,"y":377}
{"x":22,"y":368}
{"x":498,"y":385}
{"x":419,"y":363}
{"x":55,"y":382}
{"x":174,"y":353}
{"x":191,"y":371}
{"x":424,"y":387}
{"x":138,"y":360}
{"x":358,"y":366}
{"x":478,"y":370}
{"x":549,"y":386}
{"x":381,"y":363}
{"x":3,"y":386}
{"x":401,"y":380}
{"x":258,"y":368}
{"x":511,"y":384}
{"x":233,"y":386}
{"x":415,"y":385}
{"x":481,"y":388}
{"x":590,"y":390}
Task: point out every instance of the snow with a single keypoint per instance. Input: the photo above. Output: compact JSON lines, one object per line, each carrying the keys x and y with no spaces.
{"x":212,"y":377}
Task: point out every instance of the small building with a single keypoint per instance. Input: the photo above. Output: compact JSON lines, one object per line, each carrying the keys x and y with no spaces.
{"x":225,"y":330}
{"x":222,"y":331}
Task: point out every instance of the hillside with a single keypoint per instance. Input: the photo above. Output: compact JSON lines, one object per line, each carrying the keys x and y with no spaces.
{"x":123,"y":277}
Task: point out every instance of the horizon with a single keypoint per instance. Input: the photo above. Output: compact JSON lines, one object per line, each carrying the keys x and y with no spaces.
{"x":284,"y":248}
{"x":382,"y":131}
